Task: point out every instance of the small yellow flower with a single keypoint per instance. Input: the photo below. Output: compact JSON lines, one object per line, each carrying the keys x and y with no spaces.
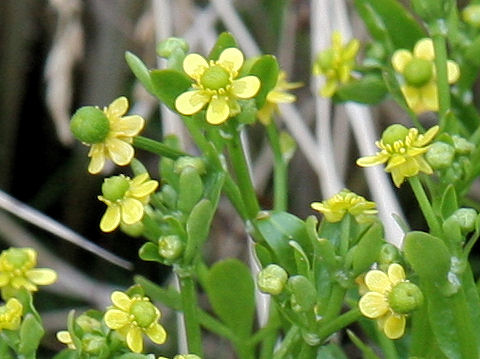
{"x":336,"y":63}
{"x":345,"y":201}
{"x":389,"y":299}
{"x":418,"y":72}
{"x":276,"y":96}
{"x":217,"y":85}
{"x":108,"y":132}
{"x":17,"y":270}
{"x":403,"y":150}
{"x":132,"y":317}
{"x":125,"y":199}
{"x":64,"y":337}
{"x":11,"y":314}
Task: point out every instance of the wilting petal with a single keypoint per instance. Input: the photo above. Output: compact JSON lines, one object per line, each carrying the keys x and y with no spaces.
{"x":424,"y":49}
{"x":453,"y":71}
{"x":120,"y":151}
{"x":190,"y":102}
{"x":231,"y":58}
{"x":246,"y":87}
{"x":156,"y":333}
{"x":394,"y":326}
{"x":116,"y":319}
{"x":121,"y":300}
{"x":42,"y":276}
{"x":373,"y":305}
{"x":135,"y":340}
{"x":396,"y":273}
{"x":132,"y":210}
{"x":400,"y":59}
{"x":217,"y":111}
{"x":128,"y":126}
{"x":111,"y":218}
{"x":194,"y":65}
{"x":377,"y":281}
{"x":118,"y":107}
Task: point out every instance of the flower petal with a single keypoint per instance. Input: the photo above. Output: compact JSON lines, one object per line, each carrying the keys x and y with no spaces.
{"x":377,"y":281}
{"x":132,"y":210}
{"x":156,"y":333}
{"x":453,"y":71}
{"x":111,"y":218}
{"x":144,"y":189}
{"x":190,"y":102}
{"x":429,"y":97}
{"x":121,"y":300}
{"x":400,"y":59}
{"x":373,"y":305}
{"x":116,"y":319}
{"x":394,"y":326}
{"x":97,"y":158}
{"x":194,"y":65}
{"x":119,"y":151}
{"x":135,"y":340}
{"x":231,"y":58}
{"x":4,"y":279}
{"x":424,"y":49}
{"x":280,"y":97}
{"x":246,"y":87}
{"x":398,"y":177}
{"x":128,"y":126}
{"x":412,"y":96}
{"x":427,"y":137}
{"x":118,"y":107}
{"x":217,"y":111}
{"x":374,"y":160}
{"x":396,"y":273}
{"x":42,"y":276}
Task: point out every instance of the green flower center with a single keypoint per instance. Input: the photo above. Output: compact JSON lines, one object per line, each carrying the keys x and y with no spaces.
{"x":17,"y":258}
{"x":405,"y":297}
{"x":418,"y":72}
{"x":394,"y":133}
{"x":90,"y":125}
{"x":215,"y":78}
{"x":325,"y":59}
{"x":114,"y":188}
{"x":144,"y":313}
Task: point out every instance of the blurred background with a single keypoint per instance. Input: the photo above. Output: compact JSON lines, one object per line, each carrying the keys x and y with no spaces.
{"x":58,"y":55}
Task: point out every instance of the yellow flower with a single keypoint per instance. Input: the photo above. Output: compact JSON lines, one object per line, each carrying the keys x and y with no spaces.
{"x":108,"y":132}
{"x":278,"y":95}
{"x":403,"y":151}
{"x":418,"y":72}
{"x":11,"y":314}
{"x":17,"y":270}
{"x":125,"y":199}
{"x":132,"y":317}
{"x":345,"y":201}
{"x":64,"y":337}
{"x":336,"y":63}
{"x":389,"y":299}
{"x":217,"y":85}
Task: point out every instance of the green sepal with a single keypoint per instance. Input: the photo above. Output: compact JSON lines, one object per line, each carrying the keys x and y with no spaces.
{"x":369,"y":90}
{"x":304,"y":294}
{"x":190,"y":189}
{"x":167,"y":296}
{"x":168,"y":84}
{"x":230,"y":289}
{"x":140,"y":71}
{"x":149,"y":252}
{"x":31,"y":333}
{"x":224,"y":41}
{"x":135,"y":290}
{"x":74,"y":330}
{"x":367,"y":251}
{"x":266,"y":69}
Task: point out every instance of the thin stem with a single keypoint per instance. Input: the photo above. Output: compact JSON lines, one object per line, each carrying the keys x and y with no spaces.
{"x":288,"y":342}
{"x":279,"y":169}
{"x":425,"y":205}
{"x":338,"y":323}
{"x":440,"y":48}
{"x":156,"y":147}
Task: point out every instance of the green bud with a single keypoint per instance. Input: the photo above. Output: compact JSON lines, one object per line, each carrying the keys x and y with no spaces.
{"x":440,"y":155}
{"x":114,"y":188}
{"x":186,"y":161}
{"x":394,"y":133}
{"x":462,"y":146}
{"x":87,"y":323}
{"x":90,"y":125}
{"x":272,"y":279}
{"x":471,"y":15}
{"x":465,"y":217}
{"x":215,"y":77}
{"x":304,"y":294}
{"x":93,"y":344}
{"x":144,"y":313}
{"x":405,"y":297}
{"x":388,"y":254}
{"x":325,"y":60}
{"x":170,"y":247}
{"x":170,"y":45}
{"x":418,"y":72}
{"x":16,"y":257}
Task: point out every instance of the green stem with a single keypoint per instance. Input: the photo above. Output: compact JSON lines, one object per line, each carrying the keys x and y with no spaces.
{"x":290,"y":340}
{"x":191,"y":314}
{"x":335,"y":303}
{"x":156,"y":147}
{"x":440,"y":48}
{"x":280,"y":200}
{"x":425,"y":205}
{"x":339,"y":323}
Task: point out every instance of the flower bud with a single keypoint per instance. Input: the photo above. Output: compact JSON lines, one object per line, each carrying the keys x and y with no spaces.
{"x":324,"y":61}
{"x":90,"y":125}
{"x":394,"y":133}
{"x":171,"y":45}
{"x":304,"y":294}
{"x":440,"y":155}
{"x":114,"y":188}
{"x":272,"y":279}
{"x":405,"y":297}
{"x":465,"y":217}
{"x":187,"y":161}
{"x":462,"y":146}
{"x":93,"y":344}
{"x":388,"y":254}
{"x":170,"y":247}
{"x":471,"y":15}
{"x":87,"y":323}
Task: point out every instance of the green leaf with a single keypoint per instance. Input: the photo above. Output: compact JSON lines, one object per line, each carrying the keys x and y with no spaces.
{"x":149,"y":252}
{"x":167,"y":85}
{"x":224,"y":41}
{"x":140,"y":71}
{"x":369,"y":90}
{"x":230,"y":289}
{"x":266,"y":69}
{"x":31,"y":332}
{"x":330,"y":351}
{"x":366,"y":350}
{"x":198,"y":227}
{"x":368,"y":248}
{"x":190,"y":189}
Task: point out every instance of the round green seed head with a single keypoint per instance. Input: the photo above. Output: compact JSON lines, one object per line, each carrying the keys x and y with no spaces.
{"x":215,"y":77}
{"x":418,"y":72}
{"x":394,"y":133}
{"x":405,"y":297}
{"x":144,"y":313}
{"x":90,"y":125}
{"x":114,"y":188}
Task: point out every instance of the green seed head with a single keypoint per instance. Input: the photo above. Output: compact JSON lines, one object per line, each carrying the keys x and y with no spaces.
{"x":405,"y":297}
{"x":144,"y":313}
{"x":272,"y":279}
{"x":394,"y":133}
{"x":90,"y":125}
{"x":418,"y":72}
{"x":215,"y":78}
{"x":114,"y":188}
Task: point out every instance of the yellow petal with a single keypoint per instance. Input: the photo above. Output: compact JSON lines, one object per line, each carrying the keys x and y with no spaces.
{"x":427,"y":137}
{"x":121,"y":300}
{"x":120,"y":151}
{"x":412,"y":96}
{"x":377,"y":159}
{"x":280,"y":97}
{"x":111,"y":218}
{"x":400,"y":59}
{"x":217,"y":111}
{"x":128,"y":126}
{"x":377,"y":281}
{"x":97,"y":158}
{"x":424,"y":49}
{"x":396,"y":273}
{"x":395,"y":161}
{"x":231,"y":58}
{"x":245,"y":87}
{"x":14,"y":306}
{"x":194,"y":65}
{"x":351,"y":49}
{"x":21,"y":282}
{"x":64,"y":337}
{"x":118,"y":107}
{"x":42,"y":276}
{"x":132,"y":210}
{"x":423,"y":165}
{"x":373,"y":305}
{"x":135,"y":340}
{"x":397,"y":177}
{"x":453,"y":71}
{"x":116,"y":319}
{"x":4,"y":279}
{"x":190,"y":102}
{"x":429,"y":97}
{"x":394,"y":326}
{"x":329,"y":88}
{"x":156,"y":333}
{"x":144,"y":189}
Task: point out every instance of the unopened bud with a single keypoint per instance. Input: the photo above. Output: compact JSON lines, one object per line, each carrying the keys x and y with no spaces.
{"x":272,"y":279}
{"x":388,"y":254}
{"x":471,"y":15}
{"x":440,"y":155}
{"x":462,"y":146}
{"x":466,"y":218}
{"x":171,"y":45}
{"x":170,"y":247}
{"x":186,"y":161}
